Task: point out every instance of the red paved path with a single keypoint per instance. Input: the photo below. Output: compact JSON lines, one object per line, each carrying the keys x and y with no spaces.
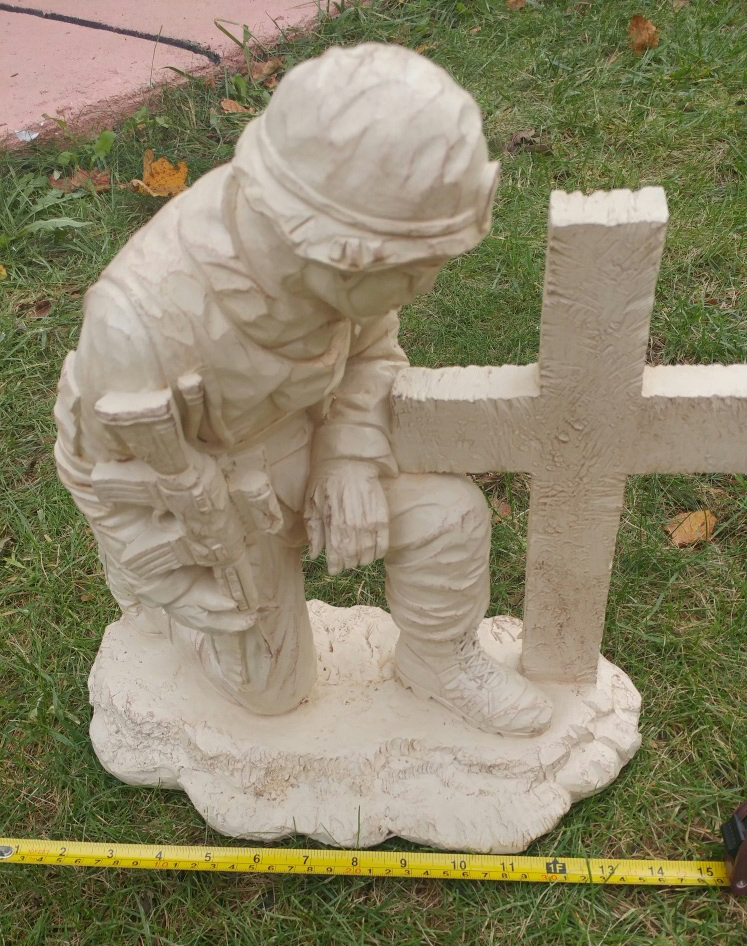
{"x":87,"y":75}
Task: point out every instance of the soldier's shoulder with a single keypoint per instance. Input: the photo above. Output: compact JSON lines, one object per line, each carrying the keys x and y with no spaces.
{"x":115,"y":350}
{"x":201,"y":225}
{"x":158,"y":246}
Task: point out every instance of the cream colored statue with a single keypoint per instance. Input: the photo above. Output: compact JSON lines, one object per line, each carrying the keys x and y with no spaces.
{"x":239,"y":393}
{"x":229,"y":399}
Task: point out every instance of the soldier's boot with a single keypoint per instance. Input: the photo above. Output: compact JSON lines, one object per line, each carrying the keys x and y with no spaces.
{"x":465,"y":680}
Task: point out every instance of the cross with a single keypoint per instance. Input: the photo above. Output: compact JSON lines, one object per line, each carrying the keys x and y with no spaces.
{"x":587,"y":415}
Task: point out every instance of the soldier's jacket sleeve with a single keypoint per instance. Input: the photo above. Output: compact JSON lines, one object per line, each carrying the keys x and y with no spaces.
{"x":357,"y":423}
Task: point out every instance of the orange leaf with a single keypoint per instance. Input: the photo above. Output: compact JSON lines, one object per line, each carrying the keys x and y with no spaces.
{"x":232,"y":107}
{"x":642,"y":34}
{"x":515,"y":4}
{"x":82,"y":180}
{"x":689,"y":528}
{"x":258,"y":71}
{"x":161,"y":178}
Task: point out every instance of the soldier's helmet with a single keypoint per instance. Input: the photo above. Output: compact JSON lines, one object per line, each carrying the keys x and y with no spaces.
{"x":370,"y":157}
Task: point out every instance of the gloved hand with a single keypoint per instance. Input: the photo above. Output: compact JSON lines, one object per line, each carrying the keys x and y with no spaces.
{"x":347,"y":513}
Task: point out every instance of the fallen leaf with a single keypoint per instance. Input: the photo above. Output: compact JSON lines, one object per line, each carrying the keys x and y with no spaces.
{"x":527,"y":140}
{"x":642,"y":34}
{"x":614,"y":57}
{"x":232,"y":107}
{"x":423,"y":48}
{"x":515,"y":4}
{"x":39,"y":311}
{"x":689,"y":528}
{"x":30,"y":309}
{"x":271,"y":82}
{"x":582,"y":7}
{"x":501,"y":509}
{"x":160,"y":178}
{"x":679,"y":4}
{"x":259,"y":71}
{"x":98,"y":181}
{"x":475,"y":30}
{"x":3,"y":272}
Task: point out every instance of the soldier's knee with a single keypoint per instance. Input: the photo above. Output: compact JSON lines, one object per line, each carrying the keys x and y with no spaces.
{"x":439,"y":508}
{"x":463,"y":503}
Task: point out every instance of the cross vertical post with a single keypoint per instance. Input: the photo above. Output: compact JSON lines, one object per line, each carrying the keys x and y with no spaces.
{"x":602,"y":262}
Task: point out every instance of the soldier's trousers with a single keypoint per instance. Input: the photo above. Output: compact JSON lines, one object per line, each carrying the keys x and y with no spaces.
{"x":437,"y":583}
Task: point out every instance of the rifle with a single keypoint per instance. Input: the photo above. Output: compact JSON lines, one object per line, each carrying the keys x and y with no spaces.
{"x":204,"y":520}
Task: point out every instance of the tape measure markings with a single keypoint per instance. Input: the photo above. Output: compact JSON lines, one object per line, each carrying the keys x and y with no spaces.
{"x":573,"y":870}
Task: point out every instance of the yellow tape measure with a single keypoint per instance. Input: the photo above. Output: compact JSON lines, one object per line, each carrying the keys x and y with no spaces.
{"x":264,"y":860}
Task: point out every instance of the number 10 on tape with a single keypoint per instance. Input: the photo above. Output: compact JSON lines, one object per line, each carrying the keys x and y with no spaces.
{"x":572,"y":870}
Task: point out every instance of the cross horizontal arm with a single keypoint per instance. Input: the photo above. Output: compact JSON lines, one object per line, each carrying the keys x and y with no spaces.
{"x":692,"y":419}
{"x":465,"y":420}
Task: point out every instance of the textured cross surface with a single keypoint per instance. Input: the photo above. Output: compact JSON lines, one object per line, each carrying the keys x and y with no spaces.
{"x":587,"y":415}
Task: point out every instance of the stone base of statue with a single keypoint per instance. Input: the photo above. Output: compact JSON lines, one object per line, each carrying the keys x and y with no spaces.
{"x":362,"y":759}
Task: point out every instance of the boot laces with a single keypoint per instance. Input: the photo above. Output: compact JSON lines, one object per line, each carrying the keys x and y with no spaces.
{"x":478,"y":665}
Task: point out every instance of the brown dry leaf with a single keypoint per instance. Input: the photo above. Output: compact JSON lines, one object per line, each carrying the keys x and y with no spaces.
{"x":581,"y":8}
{"x":679,"y":4}
{"x":642,"y":34}
{"x":259,"y":71}
{"x":30,"y":309}
{"x":515,"y":4}
{"x":689,"y":528}
{"x":98,"y":181}
{"x":232,"y":107}
{"x":271,"y":83}
{"x":161,"y":178}
{"x":614,"y":57}
{"x":475,"y":30}
{"x":527,"y":140}
{"x":501,"y":509}
{"x":40,"y":310}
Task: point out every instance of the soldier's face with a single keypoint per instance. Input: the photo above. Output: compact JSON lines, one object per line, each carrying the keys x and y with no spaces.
{"x":369,"y":295}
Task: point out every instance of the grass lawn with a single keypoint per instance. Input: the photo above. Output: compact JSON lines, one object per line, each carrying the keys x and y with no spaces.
{"x":677,"y":618}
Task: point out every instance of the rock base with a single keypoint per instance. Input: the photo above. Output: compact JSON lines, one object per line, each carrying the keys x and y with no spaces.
{"x":362,"y":759}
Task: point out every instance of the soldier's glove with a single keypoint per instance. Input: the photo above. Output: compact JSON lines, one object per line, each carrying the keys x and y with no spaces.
{"x":347,"y":513}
